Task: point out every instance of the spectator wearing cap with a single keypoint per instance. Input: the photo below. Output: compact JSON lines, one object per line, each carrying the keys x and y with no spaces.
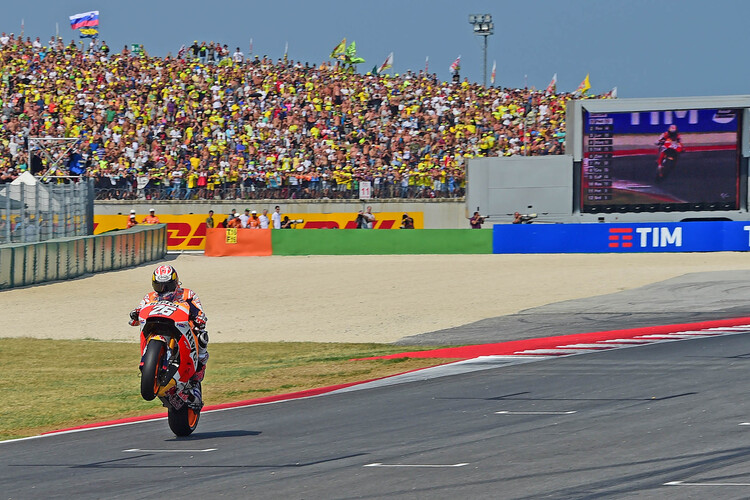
{"x":131,"y":220}
{"x":151,"y":218}
{"x":253,"y":222}
{"x":234,"y":222}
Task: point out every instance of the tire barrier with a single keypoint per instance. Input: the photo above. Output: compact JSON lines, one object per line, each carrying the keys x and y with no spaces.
{"x":66,"y":258}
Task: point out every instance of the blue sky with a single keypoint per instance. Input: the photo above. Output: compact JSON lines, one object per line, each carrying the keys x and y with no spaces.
{"x":647,"y":48}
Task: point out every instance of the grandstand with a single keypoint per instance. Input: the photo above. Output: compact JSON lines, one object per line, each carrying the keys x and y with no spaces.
{"x":179,"y":128}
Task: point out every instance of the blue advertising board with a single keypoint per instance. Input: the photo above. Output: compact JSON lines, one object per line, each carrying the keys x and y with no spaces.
{"x":622,"y":238}
{"x":656,"y":122}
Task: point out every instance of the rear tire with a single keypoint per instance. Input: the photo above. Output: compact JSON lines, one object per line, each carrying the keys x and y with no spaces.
{"x":150,"y":370}
{"x":183,"y":421}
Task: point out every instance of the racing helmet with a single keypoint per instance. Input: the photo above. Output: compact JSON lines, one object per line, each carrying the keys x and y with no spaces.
{"x":164,"y":279}
{"x":672,"y":129}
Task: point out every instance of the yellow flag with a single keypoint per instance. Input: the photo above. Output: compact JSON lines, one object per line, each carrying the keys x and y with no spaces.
{"x":338,"y":49}
{"x":584,"y":86}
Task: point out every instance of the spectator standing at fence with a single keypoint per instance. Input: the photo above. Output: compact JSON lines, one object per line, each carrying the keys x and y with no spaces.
{"x":210,"y":220}
{"x":276,"y":217}
{"x":264,"y":219}
{"x":151,"y":218}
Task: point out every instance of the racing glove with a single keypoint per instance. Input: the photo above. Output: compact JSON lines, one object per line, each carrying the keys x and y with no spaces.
{"x":134,"y":317}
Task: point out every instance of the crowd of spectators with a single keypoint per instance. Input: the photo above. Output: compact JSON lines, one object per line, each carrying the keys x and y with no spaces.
{"x":211,"y":123}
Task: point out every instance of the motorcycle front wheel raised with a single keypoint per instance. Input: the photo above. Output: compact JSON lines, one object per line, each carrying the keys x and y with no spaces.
{"x":150,"y":370}
{"x":183,"y":421}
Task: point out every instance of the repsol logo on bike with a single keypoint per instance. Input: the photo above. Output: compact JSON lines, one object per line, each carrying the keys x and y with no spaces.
{"x":645,"y":237}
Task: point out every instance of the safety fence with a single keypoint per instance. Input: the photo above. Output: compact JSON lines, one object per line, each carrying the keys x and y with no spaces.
{"x":299,"y":192}
{"x":246,"y":242}
{"x":36,"y":210}
{"x":66,"y":258}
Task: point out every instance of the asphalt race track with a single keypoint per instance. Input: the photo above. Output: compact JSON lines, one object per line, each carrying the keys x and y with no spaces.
{"x":668,"y":420}
{"x":698,"y":177}
{"x":689,"y":298}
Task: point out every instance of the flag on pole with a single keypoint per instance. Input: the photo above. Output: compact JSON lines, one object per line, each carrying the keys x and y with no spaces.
{"x":427,"y":64}
{"x":88,"y":33}
{"x":286,"y":50}
{"x":552,"y":87}
{"x":351,"y":51}
{"x":338,"y":49}
{"x":494,"y":73}
{"x":251,"y":47}
{"x":388,"y":63}
{"x":84,"y":20}
{"x":584,"y":86}
{"x":612,"y":94}
{"x":456,"y":65}
{"x":181,"y":52}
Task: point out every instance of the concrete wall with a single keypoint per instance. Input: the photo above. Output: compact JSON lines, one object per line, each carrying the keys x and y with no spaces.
{"x":438,"y":213}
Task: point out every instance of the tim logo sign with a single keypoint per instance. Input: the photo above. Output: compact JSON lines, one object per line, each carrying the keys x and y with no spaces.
{"x":645,"y":237}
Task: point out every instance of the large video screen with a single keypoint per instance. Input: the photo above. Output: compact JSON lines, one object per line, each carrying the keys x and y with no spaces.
{"x":675,"y":160}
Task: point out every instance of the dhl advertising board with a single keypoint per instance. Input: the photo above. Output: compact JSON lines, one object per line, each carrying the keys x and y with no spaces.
{"x":188,"y":232}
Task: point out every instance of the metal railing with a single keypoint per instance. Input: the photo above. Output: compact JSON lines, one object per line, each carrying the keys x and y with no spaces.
{"x":277,"y":193}
{"x":39,"y":211}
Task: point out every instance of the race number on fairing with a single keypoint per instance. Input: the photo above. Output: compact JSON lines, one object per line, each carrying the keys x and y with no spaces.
{"x":164,"y":309}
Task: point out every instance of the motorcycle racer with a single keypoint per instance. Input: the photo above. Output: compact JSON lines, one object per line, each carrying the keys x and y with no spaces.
{"x":167,"y":287}
{"x":670,"y":136}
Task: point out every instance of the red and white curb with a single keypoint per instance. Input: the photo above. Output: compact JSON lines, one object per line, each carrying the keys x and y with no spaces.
{"x":478,"y":357}
{"x":603,"y":345}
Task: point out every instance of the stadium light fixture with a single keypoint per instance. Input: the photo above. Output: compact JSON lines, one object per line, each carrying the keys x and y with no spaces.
{"x":483,"y":26}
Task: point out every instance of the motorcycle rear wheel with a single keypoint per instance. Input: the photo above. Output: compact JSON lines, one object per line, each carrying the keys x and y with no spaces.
{"x":183,"y":421}
{"x":150,"y":370}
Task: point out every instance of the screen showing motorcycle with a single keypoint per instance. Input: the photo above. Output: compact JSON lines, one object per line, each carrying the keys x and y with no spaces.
{"x":653,"y":161}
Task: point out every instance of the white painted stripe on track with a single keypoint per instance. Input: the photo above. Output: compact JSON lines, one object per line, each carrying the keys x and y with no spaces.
{"x":553,"y":351}
{"x":586,"y":346}
{"x":629,"y":341}
{"x":683,"y":483}
{"x":505,"y":412}
{"x":423,"y":466}
{"x":138,"y":450}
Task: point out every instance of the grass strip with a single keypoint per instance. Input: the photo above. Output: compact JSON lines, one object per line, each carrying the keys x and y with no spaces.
{"x":55,"y":384}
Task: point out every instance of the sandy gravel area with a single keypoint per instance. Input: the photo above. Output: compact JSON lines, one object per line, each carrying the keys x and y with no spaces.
{"x":343,"y":298}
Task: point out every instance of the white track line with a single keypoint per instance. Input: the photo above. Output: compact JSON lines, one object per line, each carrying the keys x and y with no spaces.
{"x":427,"y":466}
{"x":586,"y":346}
{"x":505,"y":412}
{"x":136,"y":450}
{"x":683,"y":483}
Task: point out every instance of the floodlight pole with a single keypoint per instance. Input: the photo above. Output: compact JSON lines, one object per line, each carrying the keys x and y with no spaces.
{"x":483,"y":26}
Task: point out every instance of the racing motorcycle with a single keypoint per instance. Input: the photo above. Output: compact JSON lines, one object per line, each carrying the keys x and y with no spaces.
{"x":169,"y":358}
{"x":672,"y":149}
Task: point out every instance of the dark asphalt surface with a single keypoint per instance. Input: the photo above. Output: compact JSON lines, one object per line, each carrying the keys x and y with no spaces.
{"x":704,"y":176}
{"x":686,"y":299}
{"x":616,"y":424}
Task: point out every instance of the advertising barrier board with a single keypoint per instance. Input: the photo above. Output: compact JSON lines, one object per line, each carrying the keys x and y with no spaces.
{"x":188,"y":232}
{"x":715,"y":236}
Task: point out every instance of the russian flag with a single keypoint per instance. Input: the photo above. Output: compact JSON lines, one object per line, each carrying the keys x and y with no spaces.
{"x":84,"y":20}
